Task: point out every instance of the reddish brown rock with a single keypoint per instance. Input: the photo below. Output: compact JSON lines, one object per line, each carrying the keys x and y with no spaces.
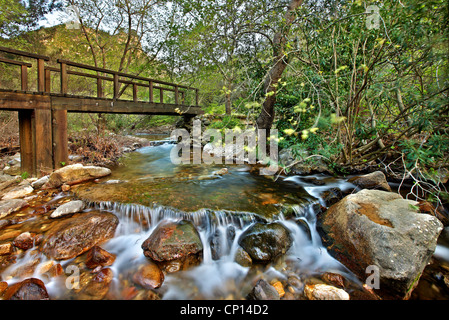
{"x":149,"y":276}
{"x":428,"y":208}
{"x":27,"y":240}
{"x":173,"y":241}
{"x":99,"y":257}
{"x":74,"y":236}
{"x":3,"y":286}
{"x":334,"y":278}
{"x":29,"y":289}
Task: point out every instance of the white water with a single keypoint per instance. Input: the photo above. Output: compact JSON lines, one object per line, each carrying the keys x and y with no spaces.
{"x":219,"y":278}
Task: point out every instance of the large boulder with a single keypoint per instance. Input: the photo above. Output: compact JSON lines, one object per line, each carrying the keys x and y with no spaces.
{"x":73,"y":236}
{"x":173,"y":241}
{"x":374,"y":180}
{"x":381,"y":229}
{"x":74,"y":174}
{"x":265,"y":242}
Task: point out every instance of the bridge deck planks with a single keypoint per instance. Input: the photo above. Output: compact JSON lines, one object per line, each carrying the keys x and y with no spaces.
{"x":19,"y":100}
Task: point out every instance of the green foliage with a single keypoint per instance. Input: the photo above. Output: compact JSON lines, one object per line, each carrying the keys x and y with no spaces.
{"x":427,"y":154}
{"x":214,"y":108}
{"x":227,"y":122}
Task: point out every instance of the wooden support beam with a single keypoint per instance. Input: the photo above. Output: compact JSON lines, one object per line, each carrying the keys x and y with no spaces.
{"x":197,"y":100}
{"x":43,"y":141}
{"x":161,"y":95}
{"x":72,"y":104}
{"x":60,"y":138}
{"x":26,"y":141}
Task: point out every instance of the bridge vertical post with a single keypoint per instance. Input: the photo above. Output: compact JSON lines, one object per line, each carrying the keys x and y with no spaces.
{"x":24,"y":77}
{"x":43,"y":141}
{"x":151,"y":92}
{"x":40,"y":75}
{"x":197,"y":98}
{"x":99,"y":88}
{"x":47,"y":80}
{"x":134,"y":92}
{"x":116,"y":86}
{"x":176,"y":95}
{"x":27,"y":162}
{"x":60,"y":138}
{"x":64,"y":78}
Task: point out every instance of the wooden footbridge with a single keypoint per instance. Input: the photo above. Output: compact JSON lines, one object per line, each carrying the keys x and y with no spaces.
{"x":43,"y":110}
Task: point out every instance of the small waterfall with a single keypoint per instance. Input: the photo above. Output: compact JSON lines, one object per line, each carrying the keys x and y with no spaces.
{"x":218,"y":275}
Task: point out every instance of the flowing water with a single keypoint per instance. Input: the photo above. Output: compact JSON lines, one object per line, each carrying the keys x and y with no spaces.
{"x":148,"y":189}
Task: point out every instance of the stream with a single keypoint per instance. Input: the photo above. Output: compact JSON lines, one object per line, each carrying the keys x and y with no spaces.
{"x":147,"y":189}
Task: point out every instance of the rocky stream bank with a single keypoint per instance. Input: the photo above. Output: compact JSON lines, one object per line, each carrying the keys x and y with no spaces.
{"x":383,"y":241}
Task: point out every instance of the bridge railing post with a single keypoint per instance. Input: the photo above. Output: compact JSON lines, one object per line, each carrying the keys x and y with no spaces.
{"x":40,"y":75}
{"x":116,"y":86}
{"x":47,"y":80}
{"x":24,"y":77}
{"x":151,"y":92}
{"x":197,"y":101}
{"x":176,"y":95}
{"x":99,"y":88}
{"x":135,"y":92}
{"x":64,"y":78}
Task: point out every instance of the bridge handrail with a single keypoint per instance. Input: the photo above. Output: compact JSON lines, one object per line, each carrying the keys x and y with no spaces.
{"x":24,"y":53}
{"x":120,"y":74}
{"x":40,"y":67}
{"x":43,"y":77}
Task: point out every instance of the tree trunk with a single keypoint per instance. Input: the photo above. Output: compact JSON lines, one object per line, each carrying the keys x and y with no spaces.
{"x":266,"y":116}
{"x":228,"y":103}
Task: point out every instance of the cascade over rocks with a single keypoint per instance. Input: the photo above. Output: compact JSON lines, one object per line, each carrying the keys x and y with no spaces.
{"x":381,"y":228}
